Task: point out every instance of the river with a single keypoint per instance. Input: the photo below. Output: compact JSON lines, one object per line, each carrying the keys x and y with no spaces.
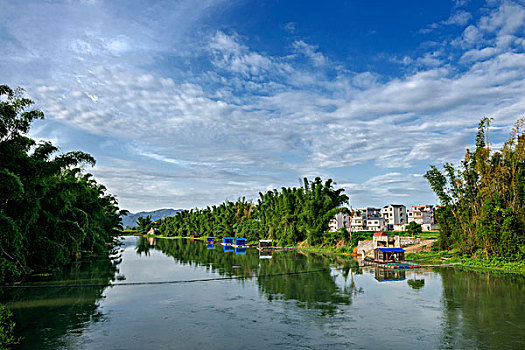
{"x":245,"y":300}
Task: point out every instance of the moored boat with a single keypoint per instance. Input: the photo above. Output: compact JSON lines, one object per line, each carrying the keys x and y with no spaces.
{"x":227,"y":241}
{"x":240,"y":243}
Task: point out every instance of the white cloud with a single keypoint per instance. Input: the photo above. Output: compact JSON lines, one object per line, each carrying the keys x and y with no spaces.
{"x":310,"y":51}
{"x":247,"y":120}
{"x":459,"y":18}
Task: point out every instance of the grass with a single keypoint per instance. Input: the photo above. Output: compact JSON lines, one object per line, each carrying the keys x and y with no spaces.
{"x":451,"y":256}
{"x":129,"y":232}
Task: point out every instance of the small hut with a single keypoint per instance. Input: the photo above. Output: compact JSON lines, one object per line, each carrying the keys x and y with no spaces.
{"x":389,"y":254}
{"x":153,"y":231}
{"x":210,"y":240}
{"x":228,"y":241}
{"x":265,"y":244}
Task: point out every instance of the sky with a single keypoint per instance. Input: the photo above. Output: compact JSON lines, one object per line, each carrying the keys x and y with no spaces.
{"x":190,"y":103}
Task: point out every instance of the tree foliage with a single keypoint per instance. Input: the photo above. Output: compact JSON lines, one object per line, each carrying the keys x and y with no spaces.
{"x":144,"y":224}
{"x":287,"y":216}
{"x":50,"y":211}
{"x":483,"y":211}
{"x":7,"y":326}
{"x":414,"y":228}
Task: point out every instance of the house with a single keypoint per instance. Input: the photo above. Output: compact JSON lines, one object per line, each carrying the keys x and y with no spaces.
{"x":367,"y":219}
{"x":338,"y":221}
{"x":153,"y":231}
{"x":422,"y":215}
{"x":382,"y":240}
{"x":389,"y":254}
{"x":395,"y":216}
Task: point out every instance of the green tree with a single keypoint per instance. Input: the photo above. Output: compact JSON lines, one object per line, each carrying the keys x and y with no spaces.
{"x":7,"y":326}
{"x":483,"y":211}
{"x":414,"y":228}
{"x":144,"y":224}
{"x":50,"y":211}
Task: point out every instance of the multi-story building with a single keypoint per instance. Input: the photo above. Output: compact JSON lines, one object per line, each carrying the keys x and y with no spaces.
{"x":367,"y":219}
{"x":423,"y":215}
{"x":395,"y":216}
{"x":376,"y":223}
{"x":338,"y":221}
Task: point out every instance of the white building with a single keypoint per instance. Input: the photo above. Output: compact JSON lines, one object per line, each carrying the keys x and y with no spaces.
{"x":367,"y":219}
{"x":395,"y":216}
{"x":338,"y":221}
{"x":423,"y":215}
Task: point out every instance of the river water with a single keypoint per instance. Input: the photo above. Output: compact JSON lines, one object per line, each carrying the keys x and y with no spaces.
{"x":244,"y":300}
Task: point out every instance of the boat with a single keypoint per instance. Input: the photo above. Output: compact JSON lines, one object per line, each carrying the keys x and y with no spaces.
{"x":227,"y":241}
{"x":240,"y":243}
{"x":265,"y":245}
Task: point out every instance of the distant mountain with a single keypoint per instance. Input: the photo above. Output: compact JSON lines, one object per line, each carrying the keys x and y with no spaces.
{"x":130,"y":221}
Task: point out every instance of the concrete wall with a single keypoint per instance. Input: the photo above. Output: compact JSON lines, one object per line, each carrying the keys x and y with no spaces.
{"x":366,"y":247}
{"x":405,"y":240}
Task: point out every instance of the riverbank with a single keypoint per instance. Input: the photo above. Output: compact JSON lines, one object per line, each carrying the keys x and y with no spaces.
{"x":450,"y":256}
{"x":422,"y":258}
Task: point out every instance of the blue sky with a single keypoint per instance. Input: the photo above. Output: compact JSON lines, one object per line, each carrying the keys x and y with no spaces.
{"x":189,"y":103}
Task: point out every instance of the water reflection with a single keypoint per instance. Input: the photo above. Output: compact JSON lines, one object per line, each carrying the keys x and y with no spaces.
{"x":316,"y":289}
{"x":386,"y":275}
{"x":416,"y":283}
{"x":482,"y":310}
{"x":265,"y":255}
{"x":273,"y":302}
{"x":43,"y":315}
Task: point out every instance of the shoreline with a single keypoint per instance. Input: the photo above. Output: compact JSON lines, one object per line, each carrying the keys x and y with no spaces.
{"x":420,"y":260}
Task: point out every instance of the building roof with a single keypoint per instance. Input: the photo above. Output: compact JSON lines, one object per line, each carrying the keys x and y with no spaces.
{"x":380,"y":234}
{"x":390,"y":250}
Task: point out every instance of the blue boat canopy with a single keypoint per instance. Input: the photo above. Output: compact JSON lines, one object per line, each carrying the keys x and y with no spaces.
{"x":228,"y":239}
{"x":240,"y":240}
{"x":390,"y":250}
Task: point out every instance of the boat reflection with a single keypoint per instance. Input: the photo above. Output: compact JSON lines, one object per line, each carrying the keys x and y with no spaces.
{"x":389,"y":275}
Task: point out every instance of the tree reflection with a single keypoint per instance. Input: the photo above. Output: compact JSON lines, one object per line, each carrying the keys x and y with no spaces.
{"x":58,"y":311}
{"x":281,"y":277}
{"x":483,"y":310}
{"x":416,"y":283}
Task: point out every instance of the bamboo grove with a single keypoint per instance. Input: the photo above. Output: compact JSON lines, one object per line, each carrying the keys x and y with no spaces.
{"x":50,"y":211}
{"x":287,"y":216}
{"x":483,"y":212}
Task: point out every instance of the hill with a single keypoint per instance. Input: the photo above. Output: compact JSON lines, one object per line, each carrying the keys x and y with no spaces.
{"x":129,"y":221}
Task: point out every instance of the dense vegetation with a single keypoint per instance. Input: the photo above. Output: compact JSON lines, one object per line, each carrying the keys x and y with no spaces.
{"x":483,"y":200}
{"x":50,"y":211}
{"x":289,"y":216}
